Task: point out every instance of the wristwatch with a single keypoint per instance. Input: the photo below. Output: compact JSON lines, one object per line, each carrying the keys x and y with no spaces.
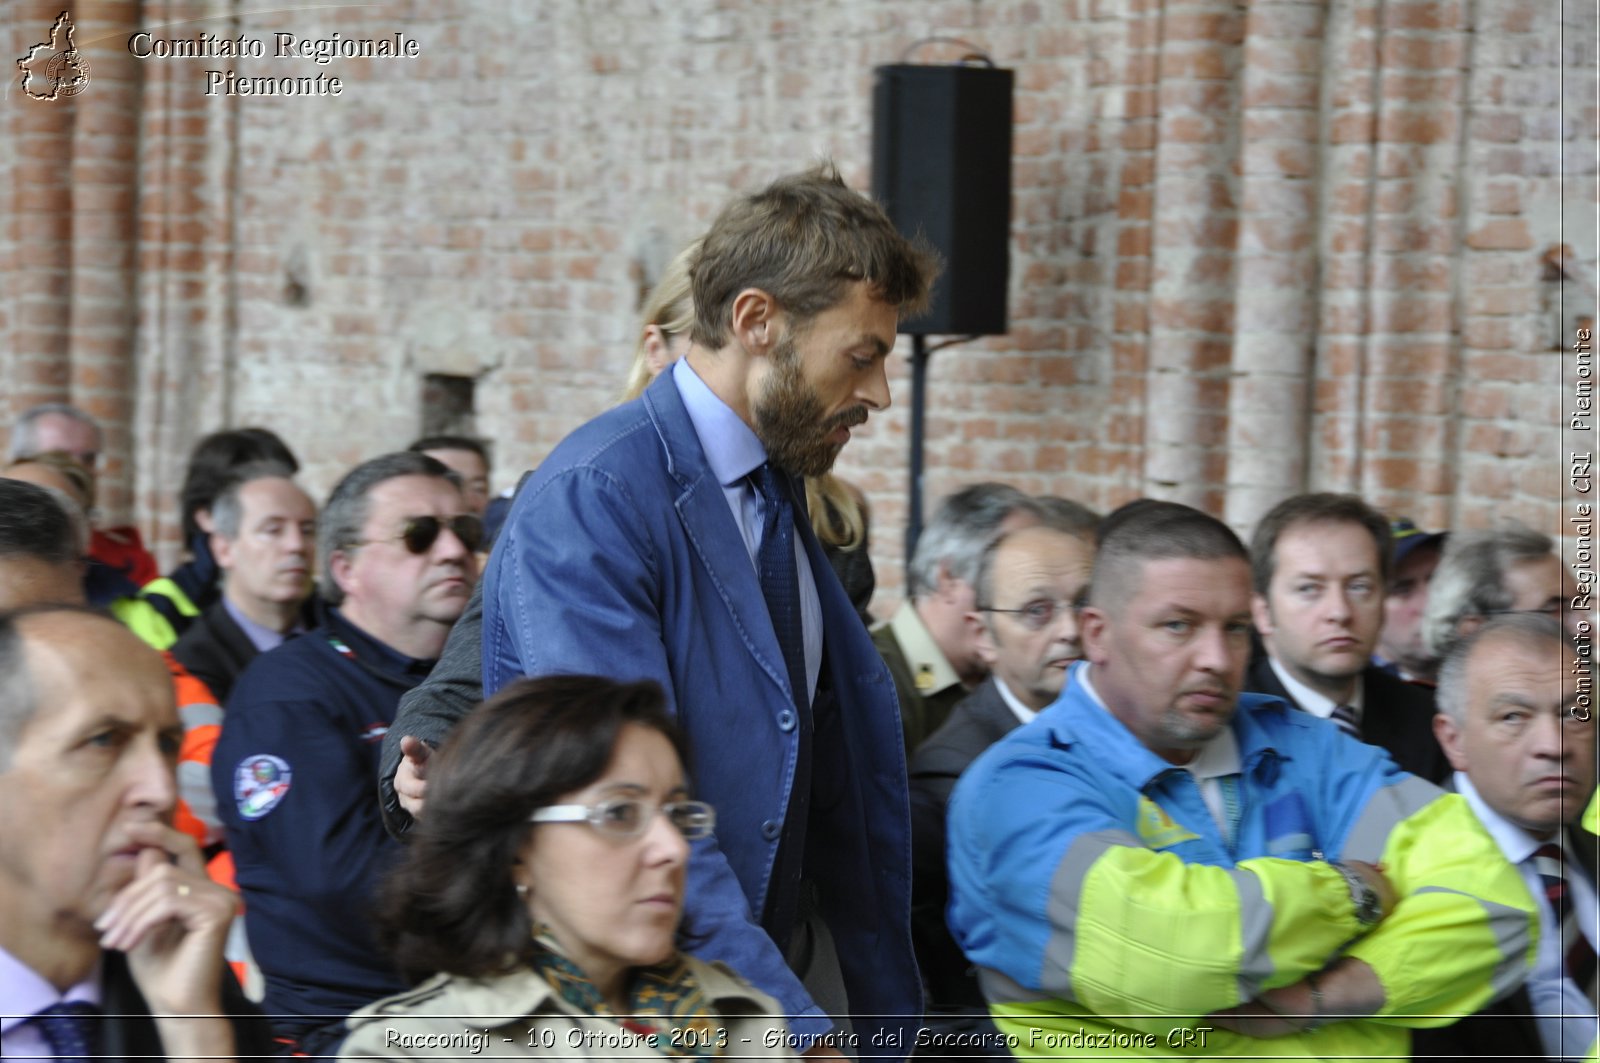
{"x":1369,"y":910}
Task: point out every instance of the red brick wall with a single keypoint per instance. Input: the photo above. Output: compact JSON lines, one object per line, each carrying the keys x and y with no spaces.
{"x":1256,"y":248}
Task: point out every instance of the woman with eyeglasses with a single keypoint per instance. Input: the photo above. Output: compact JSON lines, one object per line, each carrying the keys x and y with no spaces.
{"x":545,"y":887}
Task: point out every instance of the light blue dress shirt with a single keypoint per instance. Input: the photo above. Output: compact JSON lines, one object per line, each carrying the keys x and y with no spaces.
{"x":733,"y":452}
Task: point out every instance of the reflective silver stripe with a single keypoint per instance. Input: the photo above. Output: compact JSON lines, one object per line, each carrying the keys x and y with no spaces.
{"x":1510,"y":928}
{"x":998,"y":989}
{"x":1066,"y":893}
{"x":199,"y":714}
{"x":194,"y":786}
{"x":1385,"y":809}
{"x":1255,"y":933}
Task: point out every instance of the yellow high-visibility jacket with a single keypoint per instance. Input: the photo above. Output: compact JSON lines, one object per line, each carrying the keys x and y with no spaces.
{"x":1108,"y":914}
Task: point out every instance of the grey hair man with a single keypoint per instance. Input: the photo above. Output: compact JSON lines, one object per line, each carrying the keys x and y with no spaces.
{"x":111,"y":935}
{"x":931,"y":650}
{"x":294,"y":766}
{"x":56,"y":426}
{"x":1031,"y":584}
{"x":1488,"y":573}
{"x":264,"y":539}
{"x":1522,"y":741}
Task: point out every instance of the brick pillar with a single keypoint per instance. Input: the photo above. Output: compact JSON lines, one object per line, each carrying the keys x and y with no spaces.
{"x":70,"y":274}
{"x":37,"y":252}
{"x":104,"y":183}
{"x":1276,"y":271}
{"x":187,"y":262}
{"x":1194,"y":235}
{"x":1133,"y":132}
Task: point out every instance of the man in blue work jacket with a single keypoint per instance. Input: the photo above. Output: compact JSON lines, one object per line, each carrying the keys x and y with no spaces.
{"x":1209,"y":872}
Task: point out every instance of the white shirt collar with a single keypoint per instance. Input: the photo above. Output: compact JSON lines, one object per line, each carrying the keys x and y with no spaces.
{"x":1018,"y":709}
{"x":26,"y":993}
{"x":1311,"y":701}
{"x":1513,"y":840}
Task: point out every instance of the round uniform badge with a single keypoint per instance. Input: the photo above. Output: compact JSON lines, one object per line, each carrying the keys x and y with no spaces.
{"x":260,"y":783}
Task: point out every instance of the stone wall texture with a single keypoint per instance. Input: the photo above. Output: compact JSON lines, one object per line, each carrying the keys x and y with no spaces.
{"x":1257,"y":246}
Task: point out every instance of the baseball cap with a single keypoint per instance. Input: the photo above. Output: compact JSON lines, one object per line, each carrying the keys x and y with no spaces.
{"x":1408,"y":537}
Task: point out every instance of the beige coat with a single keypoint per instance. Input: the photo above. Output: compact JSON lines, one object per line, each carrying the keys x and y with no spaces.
{"x":518,"y":1016}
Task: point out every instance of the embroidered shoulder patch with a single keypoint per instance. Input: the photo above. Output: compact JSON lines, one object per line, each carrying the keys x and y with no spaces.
{"x":1159,"y":830}
{"x":260,"y":783}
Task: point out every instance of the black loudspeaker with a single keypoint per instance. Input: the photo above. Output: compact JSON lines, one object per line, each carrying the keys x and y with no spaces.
{"x":941,"y":167}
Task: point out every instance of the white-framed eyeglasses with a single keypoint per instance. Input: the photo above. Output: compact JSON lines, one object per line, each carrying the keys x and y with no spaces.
{"x":629,"y":817}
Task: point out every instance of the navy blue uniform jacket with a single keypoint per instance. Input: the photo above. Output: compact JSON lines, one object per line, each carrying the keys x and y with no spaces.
{"x":293,"y":773}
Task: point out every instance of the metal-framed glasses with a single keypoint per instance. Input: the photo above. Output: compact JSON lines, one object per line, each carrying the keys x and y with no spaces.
{"x":1038,"y":614}
{"x":418,"y":534}
{"x":629,"y":817}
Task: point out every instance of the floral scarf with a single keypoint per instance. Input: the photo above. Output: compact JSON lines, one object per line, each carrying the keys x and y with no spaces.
{"x":666,"y":1008}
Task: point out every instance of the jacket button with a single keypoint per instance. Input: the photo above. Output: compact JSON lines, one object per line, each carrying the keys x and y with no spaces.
{"x":786,"y":721}
{"x":771,"y":829}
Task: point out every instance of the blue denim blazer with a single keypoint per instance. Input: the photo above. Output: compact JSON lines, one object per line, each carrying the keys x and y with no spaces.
{"x":621,"y":558}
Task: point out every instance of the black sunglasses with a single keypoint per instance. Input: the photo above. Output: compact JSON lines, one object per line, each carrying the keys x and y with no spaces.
{"x":420,"y":533}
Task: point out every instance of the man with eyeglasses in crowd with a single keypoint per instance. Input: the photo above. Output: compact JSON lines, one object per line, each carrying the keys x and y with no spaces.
{"x":293,"y":769}
{"x":1029,"y":586}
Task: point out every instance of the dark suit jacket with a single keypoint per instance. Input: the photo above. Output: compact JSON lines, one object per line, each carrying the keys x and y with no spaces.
{"x":978,"y":721}
{"x":1504,"y":1030}
{"x":128,"y":1031}
{"x":215,"y":650}
{"x":920,"y":714}
{"x":1395,"y":715}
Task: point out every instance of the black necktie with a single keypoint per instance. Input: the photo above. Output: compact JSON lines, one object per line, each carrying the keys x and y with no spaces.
{"x":72,"y":1030}
{"x":780,"y":579}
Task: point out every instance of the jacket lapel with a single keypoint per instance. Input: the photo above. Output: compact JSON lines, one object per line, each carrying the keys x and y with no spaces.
{"x":712,"y":532}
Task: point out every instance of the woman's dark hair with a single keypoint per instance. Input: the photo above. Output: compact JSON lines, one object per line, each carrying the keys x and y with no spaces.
{"x":452,"y":904}
{"x":213,"y":460}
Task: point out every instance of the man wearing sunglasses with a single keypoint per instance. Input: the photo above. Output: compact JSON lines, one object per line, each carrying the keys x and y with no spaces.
{"x":293,"y":768}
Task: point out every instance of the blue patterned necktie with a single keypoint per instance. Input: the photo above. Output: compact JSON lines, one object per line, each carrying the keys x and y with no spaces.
{"x":72,"y":1030}
{"x":780,"y":577}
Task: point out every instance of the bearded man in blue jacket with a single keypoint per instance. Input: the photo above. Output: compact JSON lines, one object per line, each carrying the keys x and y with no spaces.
{"x":667,"y":540}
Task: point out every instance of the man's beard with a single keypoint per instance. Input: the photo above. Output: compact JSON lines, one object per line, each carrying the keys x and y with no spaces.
{"x":791,"y":421}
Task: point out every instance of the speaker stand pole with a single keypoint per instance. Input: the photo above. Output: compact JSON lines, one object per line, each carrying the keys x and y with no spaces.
{"x":919,"y":384}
